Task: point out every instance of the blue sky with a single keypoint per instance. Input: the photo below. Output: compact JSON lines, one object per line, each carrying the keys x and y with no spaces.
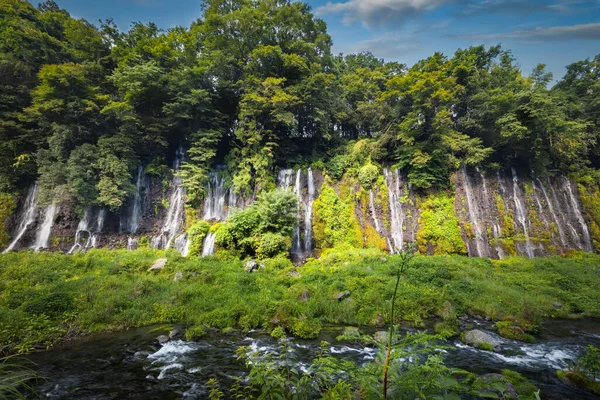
{"x":555,"y":33}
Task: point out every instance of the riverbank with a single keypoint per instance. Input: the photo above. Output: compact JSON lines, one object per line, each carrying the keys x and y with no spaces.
{"x":50,"y":298}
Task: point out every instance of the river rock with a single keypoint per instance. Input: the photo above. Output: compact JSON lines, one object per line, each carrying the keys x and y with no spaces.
{"x":378,"y":320}
{"x":381,"y":336}
{"x":509,"y":393}
{"x":162,"y":339}
{"x":158,"y":264}
{"x":251,"y":266}
{"x":342,"y":295}
{"x":175,"y":333}
{"x":557,"y":305}
{"x":477,"y":338}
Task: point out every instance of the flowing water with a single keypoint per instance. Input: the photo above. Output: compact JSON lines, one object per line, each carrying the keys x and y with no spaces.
{"x":42,"y":237}
{"x":481,"y":240}
{"x":174,"y":220}
{"x":132,"y":365}
{"x":219,"y":199}
{"x":520,"y":214}
{"x":308,"y":207}
{"x":27,"y":218}
{"x":89,"y":229}
{"x":397,"y":213}
{"x":208,"y":247}
{"x":131,"y":224}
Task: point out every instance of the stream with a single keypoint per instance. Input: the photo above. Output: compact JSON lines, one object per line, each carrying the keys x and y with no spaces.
{"x":132,"y":365}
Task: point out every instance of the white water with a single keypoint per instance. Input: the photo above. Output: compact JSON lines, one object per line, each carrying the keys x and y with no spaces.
{"x":496,"y":229}
{"x":308,"y":232}
{"x":133,"y":221}
{"x":214,"y":202}
{"x":88,"y":229}
{"x":561,"y":233}
{"x":397,"y":215}
{"x":29,"y":215}
{"x":173,"y":222}
{"x":208,"y":247}
{"x":587,"y":241}
{"x":374,"y":211}
{"x":284,"y":178}
{"x":42,"y":237}
{"x":480,"y":240}
{"x":296,"y":239}
{"x":132,"y":243}
{"x":520,"y":214}
{"x":182,"y":244}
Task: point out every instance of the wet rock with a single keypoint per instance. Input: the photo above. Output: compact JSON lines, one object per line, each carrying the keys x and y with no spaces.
{"x":175,"y":333}
{"x":509,"y":393}
{"x":304,"y":296}
{"x":251,"y":266}
{"x":351,"y":331}
{"x":158,"y":264}
{"x":342,"y":295}
{"x":178,"y":276}
{"x":481,"y":340}
{"x":162,"y":339}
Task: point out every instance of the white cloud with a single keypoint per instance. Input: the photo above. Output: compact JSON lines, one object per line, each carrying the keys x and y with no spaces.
{"x":553,"y":33}
{"x":380,"y":12}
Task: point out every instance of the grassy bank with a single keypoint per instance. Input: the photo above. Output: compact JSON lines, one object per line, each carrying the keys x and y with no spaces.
{"x":47,"y":298}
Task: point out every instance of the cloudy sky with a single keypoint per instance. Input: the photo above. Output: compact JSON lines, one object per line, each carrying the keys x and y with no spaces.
{"x":555,"y":33}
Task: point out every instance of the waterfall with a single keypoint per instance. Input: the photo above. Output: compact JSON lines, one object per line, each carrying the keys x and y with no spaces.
{"x":539,"y":203}
{"x":28,"y":217}
{"x":182,"y":244}
{"x":133,"y":220}
{"x":214,"y":202}
{"x":296,"y":239}
{"x":175,"y":213}
{"x":284,"y":178}
{"x":496,"y":229}
{"x":561,"y":233}
{"x":480,"y":240}
{"x":587,"y":241}
{"x":308,"y":232}
{"x":208,"y":247}
{"x":374,"y":211}
{"x":88,"y":229}
{"x":397,"y":215}
{"x":132,"y":243}
{"x":520,"y":214}
{"x":42,"y":237}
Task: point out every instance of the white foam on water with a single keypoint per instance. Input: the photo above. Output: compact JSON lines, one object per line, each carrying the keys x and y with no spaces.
{"x":166,"y":369}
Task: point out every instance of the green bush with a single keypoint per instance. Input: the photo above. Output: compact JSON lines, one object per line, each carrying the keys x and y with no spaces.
{"x":367,"y":175}
{"x":51,"y":304}
{"x":336,"y":167}
{"x":196,"y":235}
{"x":273,"y":244}
{"x":278,"y":212}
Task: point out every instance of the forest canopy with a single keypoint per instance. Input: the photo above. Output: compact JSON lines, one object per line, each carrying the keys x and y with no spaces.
{"x":254,"y":86}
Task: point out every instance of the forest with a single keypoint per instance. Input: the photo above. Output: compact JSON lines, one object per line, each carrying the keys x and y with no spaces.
{"x":254,"y":87}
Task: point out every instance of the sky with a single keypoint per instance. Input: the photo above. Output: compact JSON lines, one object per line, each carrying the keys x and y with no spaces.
{"x":555,"y":33}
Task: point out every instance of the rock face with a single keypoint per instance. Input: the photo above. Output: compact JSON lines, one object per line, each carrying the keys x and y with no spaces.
{"x":158,"y":264}
{"x":481,"y":340}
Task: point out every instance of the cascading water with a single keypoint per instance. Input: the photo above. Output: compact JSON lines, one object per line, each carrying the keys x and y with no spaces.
{"x":496,"y":229}
{"x":374,"y":211}
{"x":587,"y":241}
{"x":208,"y":247}
{"x":520,"y":214}
{"x":215,"y":201}
{"x":397,"y":214}
{"x":308,"y":232}
{"x":473,"y":209}
{"x":133,"y":220}
{"x":175,"y":213}
{"x":28,"y":217}
{"x":284,"y":178}
{"x":42,"y":237}
{"x":88,"y":230}
{"x":296,"y":239}
{"x":561,"y":232}
{"x":132,"y":243}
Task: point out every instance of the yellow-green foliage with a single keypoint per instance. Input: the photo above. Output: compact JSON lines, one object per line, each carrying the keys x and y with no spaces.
{"x":334,"y":218}
{"x":506,"y":218}
{"x":590,"y":199}
{"x":7,"y":207}
{"x":374,"y":239}
{"x":439,"y":227}
{"x":196,"y":234}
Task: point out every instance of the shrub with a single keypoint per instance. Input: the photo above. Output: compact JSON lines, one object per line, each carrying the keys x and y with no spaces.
{"x":336,"y":167}
{"x":306,"y":328}
{"x":195,"y":332}
{"x":7,"y":207}
{"x":278,"y":212}
{"x":196,"y":235}
{"x":272,"y":244}
{"x":51,"y":304}
{"x":590,"y":362}
{"x":367,"y":175}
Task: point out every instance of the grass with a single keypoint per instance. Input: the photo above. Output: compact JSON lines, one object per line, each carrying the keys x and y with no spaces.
{"x":49,"y":298}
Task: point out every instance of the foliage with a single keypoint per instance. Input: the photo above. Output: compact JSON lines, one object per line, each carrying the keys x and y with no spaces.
{"x":7,"y":206}
{"x":196,"y":234}
{"x":589,"y":363}
{"x":15,"y":378}
{"x":438,"y":226}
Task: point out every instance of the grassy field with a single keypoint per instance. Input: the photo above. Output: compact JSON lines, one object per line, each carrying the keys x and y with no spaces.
{"x":48,"y":298}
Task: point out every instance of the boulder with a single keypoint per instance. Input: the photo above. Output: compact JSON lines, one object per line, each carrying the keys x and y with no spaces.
{"x":175,"y":333}
{"x":510,"y":393}
{"x":251,"y":266}
{"x":342,"y":295}
{"x":158,"y":264}
{"x":557,"y":305}
{"x":294,"y":274}
{"x":381,"y":336}
{"x":162,"y":339}
{"x":481,"y":340}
